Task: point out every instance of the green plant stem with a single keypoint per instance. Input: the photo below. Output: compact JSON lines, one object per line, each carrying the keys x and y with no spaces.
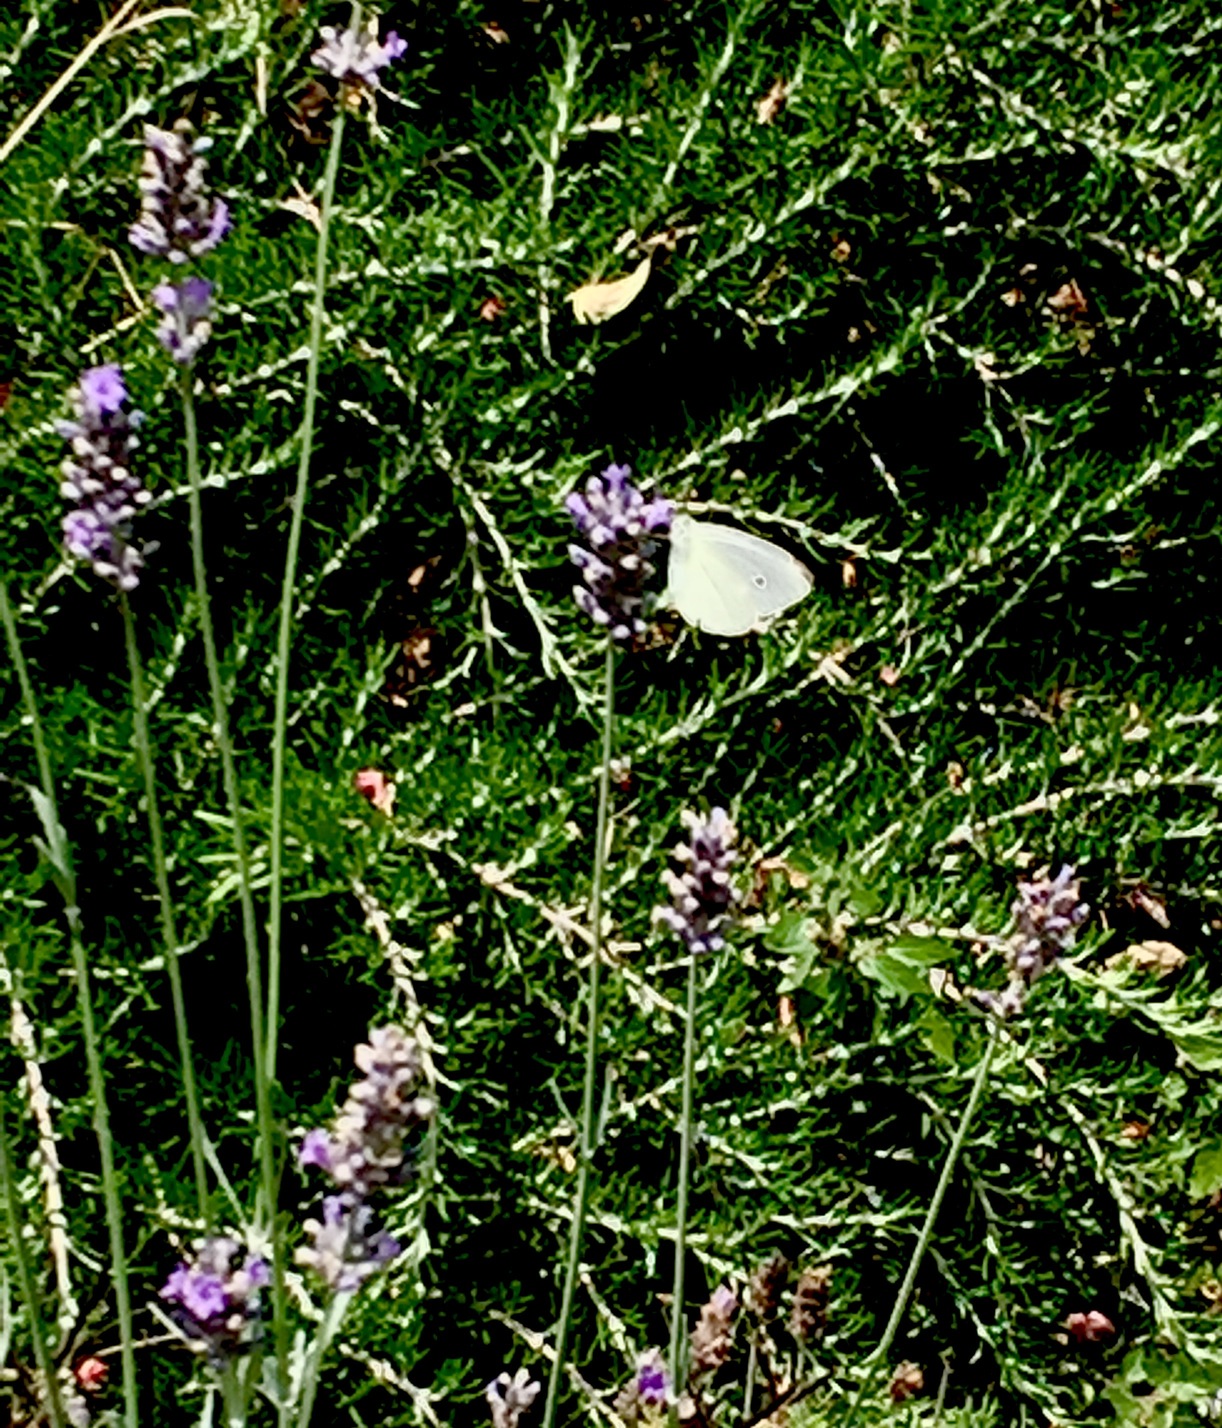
{"x":26,"y":1280}
{"x":288,"y":592}
{"x":169,"y":934}
{"x":332,"y":1318}
{"x":250,"y":934}
{"x":879,"y":1355}
{"x":592,"y":1038}
{"x":80,"y":967}
{"x":678,"y":1319}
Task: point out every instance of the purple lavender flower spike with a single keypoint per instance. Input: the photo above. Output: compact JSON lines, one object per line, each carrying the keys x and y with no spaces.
{"x":701,"y":895}
{"x":186,"y":324}
{"x":1047,"y":915}
{"x":347,"y":1245}
{"x":616,"y":522}
{"x":508,"y":1398}
{"x":179,"y":219}
{"x":96,"y":476}
{"x":364,"y":1151}
{"x":647,"y":1394}
{"x":652,"y":1380}
{"x":357,"y":60}
{"x":216,"y":1299}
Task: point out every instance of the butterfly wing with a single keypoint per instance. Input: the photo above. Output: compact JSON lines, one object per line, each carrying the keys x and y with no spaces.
{"x":776,"y":578}
{"x":725,"y":582}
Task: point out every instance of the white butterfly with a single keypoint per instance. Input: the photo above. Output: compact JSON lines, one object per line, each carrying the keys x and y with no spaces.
{"x":727,"y":582}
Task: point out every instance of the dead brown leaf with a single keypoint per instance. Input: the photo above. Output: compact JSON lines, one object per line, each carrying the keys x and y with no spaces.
{"x":906,"y":1381}
{"x":1069,"y":300}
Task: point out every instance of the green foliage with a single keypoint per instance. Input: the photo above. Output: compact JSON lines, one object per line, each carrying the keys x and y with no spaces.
{"x":948,"y":327}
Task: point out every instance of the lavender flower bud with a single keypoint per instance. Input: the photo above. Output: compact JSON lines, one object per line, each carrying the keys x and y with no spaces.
{"x":363,"y":1150}
{"x":348,"y":1244}
{"x":615,"y":521}
{"x":711,"y":1338}
{"x":179,"y":219}
{"x":218,"y":1303}
{"x":766,"y":1285}
{"x":808,"y":1317}
{"x":647,"y":1393}
{"x":356,"y":60}
{"x":365,"y":1147}
{"x":701,"y":894}
{"x":509,"y":1398}
{"x":1047,"y":915}
{"x":97,"y":477}
{"x":186,"y":323}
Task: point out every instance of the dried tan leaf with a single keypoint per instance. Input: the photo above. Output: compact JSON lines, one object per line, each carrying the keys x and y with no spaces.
{"x":1161,"y":958}
{"x":596,"y":302}
{"x":767,"y":108}
{"x":304,"y":207}
{"x":795,"y":877}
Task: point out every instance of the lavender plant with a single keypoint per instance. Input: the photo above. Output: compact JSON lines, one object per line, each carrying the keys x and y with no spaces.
{"x":355,"y":57}
{"x":364,"y":63}
{"x":364,"y":1153}
{"x":648,"y":1394}
{"x":701,"y":898}
{"x":98,"y":477}
{"x":179,"y":219}
{"x":1047,"y":915}
{"x":616,"y":523}
{"x":215,"y":1295}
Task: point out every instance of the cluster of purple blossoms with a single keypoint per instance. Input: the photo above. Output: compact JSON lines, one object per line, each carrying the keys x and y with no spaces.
{"x":363,"y":1151}
{"x":186,"y":317}
{"x":356,"y":59}
{"x":98,"y":478}
{"x":1047,"y":916}
{"x":179,"y":220}
{"x":616,"y":522}
{"x":508,"y":1398}
{"x":647,"y":1394}
{"x":701,"y":894}
{"x":217,"y":1300}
